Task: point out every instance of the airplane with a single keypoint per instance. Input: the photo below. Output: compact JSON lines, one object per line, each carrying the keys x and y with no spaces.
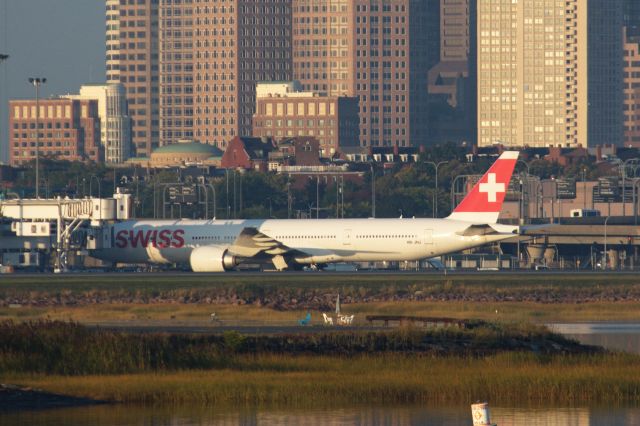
{"x":222,"y":245}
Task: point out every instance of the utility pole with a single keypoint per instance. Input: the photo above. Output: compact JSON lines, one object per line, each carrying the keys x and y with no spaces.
{"x":37,"y":82}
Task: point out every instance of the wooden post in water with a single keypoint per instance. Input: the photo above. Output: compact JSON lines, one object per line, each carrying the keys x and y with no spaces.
{"x":480,"y":414}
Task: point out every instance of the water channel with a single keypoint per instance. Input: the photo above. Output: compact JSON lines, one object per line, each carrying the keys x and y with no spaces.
{"x":617,"y":336}
{"x":436,"y":416}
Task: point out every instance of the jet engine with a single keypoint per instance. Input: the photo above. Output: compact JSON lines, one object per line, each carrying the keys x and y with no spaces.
{"x":211,"y":259}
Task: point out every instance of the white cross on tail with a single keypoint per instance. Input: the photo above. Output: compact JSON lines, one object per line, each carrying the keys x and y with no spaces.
{"x":491,"y":187}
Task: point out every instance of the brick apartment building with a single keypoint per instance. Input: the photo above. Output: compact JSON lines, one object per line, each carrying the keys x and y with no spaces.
{"x":68,"y":129}
{"x":283,"y":111}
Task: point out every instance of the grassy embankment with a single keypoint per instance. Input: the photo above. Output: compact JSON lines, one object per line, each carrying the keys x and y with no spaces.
{"x":269,"y":298}
{"x":238,"y":314}
{"x":454,"y":366}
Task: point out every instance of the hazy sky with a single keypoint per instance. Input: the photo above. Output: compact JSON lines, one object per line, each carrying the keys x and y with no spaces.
{"x":62,"y":40}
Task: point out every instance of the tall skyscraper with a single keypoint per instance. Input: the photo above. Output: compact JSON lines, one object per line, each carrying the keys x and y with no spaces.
{"x":632,"y":19}
{"x":132,"y":59}
{"x":176,"y":70}
{"x":632,"y":73}
{"x":457,"y":25}
{"x":631,"y":90}
{"x":237,"y":44}
{"x":377,"y":50}
{"x":550,"y":72}
{"x":452,"y":81}
{"x":212,"y":55}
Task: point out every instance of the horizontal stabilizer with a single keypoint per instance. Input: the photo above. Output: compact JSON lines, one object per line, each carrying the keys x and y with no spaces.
{"x":474,"y":230}
{"x":532,"y":229}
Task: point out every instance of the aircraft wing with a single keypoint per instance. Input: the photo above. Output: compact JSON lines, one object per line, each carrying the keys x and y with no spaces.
{"x":252,"y":242}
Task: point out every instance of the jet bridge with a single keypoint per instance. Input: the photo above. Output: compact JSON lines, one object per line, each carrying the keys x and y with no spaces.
{"x":60,"y":219}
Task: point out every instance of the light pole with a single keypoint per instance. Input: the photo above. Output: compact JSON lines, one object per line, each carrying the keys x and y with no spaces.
{"x":523,"y":188}
{"x":635,"y":200}
{"x":37,"y":82}
{"x":584,"y":190}
{"x":342,"y":196}
{"x":624,"y":179}
{"x":90,"y":186}
{"x":526,"y":165}
{"x":604,"y":262}
{"x":435,"y":195}
{"x":373,"y":191}
{"x":288,"y":200}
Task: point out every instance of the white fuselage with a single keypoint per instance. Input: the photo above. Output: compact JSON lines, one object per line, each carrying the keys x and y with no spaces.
{"x":322,"y":241}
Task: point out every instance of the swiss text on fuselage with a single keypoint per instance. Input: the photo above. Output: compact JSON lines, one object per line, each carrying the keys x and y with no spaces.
{"x":158,"y":238}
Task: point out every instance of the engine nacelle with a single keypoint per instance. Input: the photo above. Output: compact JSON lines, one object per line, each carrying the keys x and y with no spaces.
{"x":211,"y":259}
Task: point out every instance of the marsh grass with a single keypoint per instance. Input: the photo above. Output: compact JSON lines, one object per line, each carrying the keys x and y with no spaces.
{"x":512,"y":378}
{"x":492,"y":361}
{"x":53,"y":347}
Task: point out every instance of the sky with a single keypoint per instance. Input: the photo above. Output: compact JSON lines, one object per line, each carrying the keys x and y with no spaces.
{"x":60,"y":40}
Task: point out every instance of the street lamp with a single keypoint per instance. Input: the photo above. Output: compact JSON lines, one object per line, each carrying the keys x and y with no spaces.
{"x":604,"y":263}
{"x":373,"y":191}
{"x":624,"y":179}
{"x":37,"y":82}
{"x":289,"y":200}
{"x":435,"y":196}
{"x":526,"y":165}
{"x":90,"y":186}
{"x":584,"y":190}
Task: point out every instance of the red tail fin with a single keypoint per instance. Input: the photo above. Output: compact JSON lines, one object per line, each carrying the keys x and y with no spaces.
{"x":484,"y":202}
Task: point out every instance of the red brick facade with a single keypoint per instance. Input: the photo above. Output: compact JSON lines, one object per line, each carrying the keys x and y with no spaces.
{"x":68,"y":129}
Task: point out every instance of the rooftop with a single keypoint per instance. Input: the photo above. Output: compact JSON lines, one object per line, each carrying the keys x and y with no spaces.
{"x":189,"y":148}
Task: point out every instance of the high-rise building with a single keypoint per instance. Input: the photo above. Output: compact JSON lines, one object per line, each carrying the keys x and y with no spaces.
{"x":176,"y":70}
{"x":550,"y":72}
{"x":631,"y":90}
{"x":377,"y":50}
{"x":632,"y":18}
{"x":212,"y":55}
{"x":236,"y":46}
{"x":115,"y":123}
{"x":631,"y":73}
{"x":68,"y":129}
{"x":452,"y":81}
{"x":284,"y":111}
{"x":132,"y":59}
